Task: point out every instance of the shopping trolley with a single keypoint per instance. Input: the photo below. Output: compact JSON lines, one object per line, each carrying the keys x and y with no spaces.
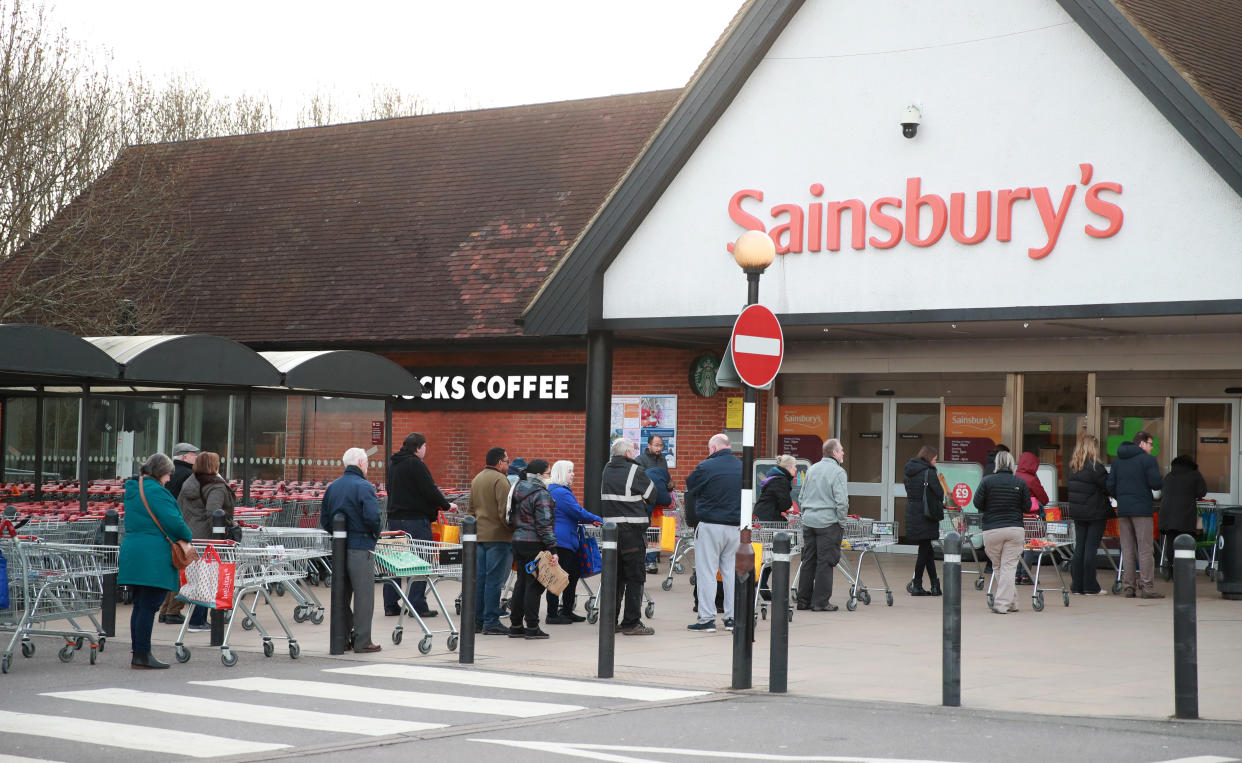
{"x":866,"y":536}
{"x":765,"y":533}
{"x":51,"y":587}
{"x":1208,"y":521}
{"x":1045,"y":538}
{"x":683,"y":545}
{"x":398,"y":558}
{"x":969,"y":525}
{"x":257,"y":569}
{"x":651,"y":538}
{"x":299,"y":551}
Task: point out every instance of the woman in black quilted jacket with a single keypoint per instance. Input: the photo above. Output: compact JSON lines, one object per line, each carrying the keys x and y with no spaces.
{"x":1002,"y":498}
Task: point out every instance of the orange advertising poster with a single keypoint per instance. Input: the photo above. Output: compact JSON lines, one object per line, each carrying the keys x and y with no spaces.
{"x":970,"y":431}
{"x":803,"y":430}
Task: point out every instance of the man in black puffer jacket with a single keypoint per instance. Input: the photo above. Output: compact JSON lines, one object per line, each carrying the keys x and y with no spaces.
{"x":414,"y":502}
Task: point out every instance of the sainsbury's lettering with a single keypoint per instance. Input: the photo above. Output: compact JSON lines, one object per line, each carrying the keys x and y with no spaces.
{"x":795,"y":229}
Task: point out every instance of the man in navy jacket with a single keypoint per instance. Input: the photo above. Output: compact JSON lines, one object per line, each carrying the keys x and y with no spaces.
{"x":1131,"y":478}
{"x":354,"y":497}
{"x":716,"y":487}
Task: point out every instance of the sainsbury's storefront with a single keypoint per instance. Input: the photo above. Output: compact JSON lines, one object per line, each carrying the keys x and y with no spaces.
{"x":1054,"y":250}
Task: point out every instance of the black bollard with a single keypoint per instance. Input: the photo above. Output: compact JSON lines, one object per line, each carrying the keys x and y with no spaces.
{"x":778,"y":584}
{"x":608,"y":601}
{"x":1185,"y":629}
{"x":951,"y":664}
{"x":107,"y":618}
{"x":743,"y":610}
{"x":338,"y":632}
{"x":218,"y":533}
{"x":469,"y":579}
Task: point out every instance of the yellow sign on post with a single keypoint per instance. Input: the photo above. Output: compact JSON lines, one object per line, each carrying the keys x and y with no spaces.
{"x":733,"y":413}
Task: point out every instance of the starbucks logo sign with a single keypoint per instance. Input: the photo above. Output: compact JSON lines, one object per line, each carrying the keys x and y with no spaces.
{"x":703,"y":375}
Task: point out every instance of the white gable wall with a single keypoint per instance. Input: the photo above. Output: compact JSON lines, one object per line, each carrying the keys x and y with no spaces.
{"x":1013,"y":95}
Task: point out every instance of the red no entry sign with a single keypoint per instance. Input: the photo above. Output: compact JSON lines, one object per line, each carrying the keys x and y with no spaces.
{"x":758,"y":346}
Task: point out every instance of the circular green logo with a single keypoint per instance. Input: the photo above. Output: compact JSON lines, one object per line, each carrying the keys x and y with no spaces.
{"x":703,"y":375}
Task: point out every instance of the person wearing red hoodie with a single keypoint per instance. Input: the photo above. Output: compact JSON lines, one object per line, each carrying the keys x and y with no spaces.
{"x":1028,"y":463}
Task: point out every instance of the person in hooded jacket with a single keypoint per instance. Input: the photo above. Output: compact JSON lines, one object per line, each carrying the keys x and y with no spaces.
{"x":1003,"y":498}
{"x":569,"y":515}
{"x":516,"y":466}
{"x":1028,"y":465}
{"x":1133,"y":477}
{"x":1087,"y":485}
{"x":534,"y":530}
{"x":1183,"y":486}
{"x":923,"y":485}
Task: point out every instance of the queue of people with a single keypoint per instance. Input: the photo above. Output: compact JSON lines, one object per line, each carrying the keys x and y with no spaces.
{"x":520,"y":515}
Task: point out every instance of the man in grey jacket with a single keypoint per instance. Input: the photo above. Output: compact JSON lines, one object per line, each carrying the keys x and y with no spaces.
{"x":825,"y":502}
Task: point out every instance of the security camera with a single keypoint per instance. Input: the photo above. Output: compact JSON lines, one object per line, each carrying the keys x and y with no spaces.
{"x":910,"y":119}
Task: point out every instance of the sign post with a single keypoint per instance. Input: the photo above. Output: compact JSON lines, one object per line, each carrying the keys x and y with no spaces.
{"x":757,"y":347}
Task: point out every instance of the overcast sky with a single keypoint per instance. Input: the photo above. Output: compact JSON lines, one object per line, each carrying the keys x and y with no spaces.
{"x":453,"y":53}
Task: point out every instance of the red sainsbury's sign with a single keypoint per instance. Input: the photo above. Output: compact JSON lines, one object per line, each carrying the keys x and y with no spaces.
{"x":818,"y":226}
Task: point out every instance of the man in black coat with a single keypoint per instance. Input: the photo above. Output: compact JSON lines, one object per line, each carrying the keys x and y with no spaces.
{"x":1131,"y":480}
{"x":414,"y":502}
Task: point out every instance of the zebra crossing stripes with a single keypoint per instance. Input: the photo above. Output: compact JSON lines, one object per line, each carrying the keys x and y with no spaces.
{"x":130,"y":736}
{"x":410,"y":699}
{"x":517,"y":682}
{"x":240,"y":711}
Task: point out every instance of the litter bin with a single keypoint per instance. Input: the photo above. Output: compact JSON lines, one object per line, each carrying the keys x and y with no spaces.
{"x":1229,"y":553}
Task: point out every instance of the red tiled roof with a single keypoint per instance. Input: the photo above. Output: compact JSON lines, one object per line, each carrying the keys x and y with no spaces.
{"x":423,"y":228}
{"x":1202,"y":40}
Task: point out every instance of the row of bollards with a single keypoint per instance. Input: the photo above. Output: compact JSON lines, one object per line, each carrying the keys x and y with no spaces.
{"x":1184,"y":613}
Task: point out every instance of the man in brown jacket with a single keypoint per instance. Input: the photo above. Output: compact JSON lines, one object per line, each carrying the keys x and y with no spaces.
{"x":488,"y":493}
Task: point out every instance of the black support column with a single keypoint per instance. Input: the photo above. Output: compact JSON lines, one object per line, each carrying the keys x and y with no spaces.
{"x":598,"y":415}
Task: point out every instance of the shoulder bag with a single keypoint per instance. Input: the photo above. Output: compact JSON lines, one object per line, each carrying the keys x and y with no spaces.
{"x":929,"y":512}
{"x":182,"y":552}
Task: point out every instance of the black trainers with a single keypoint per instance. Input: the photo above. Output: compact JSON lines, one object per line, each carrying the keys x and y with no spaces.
{"x":534,"y":634}
{"x":517,"y":631}
{"x":703,"y":626}
{"x":557,"y":620}
{"x":573,"y":617}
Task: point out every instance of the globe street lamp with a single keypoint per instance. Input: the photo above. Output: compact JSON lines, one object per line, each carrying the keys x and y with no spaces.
{"x":753,"y":251}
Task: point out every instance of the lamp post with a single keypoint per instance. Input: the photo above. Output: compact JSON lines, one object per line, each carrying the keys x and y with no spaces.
{"x":753,"y":251}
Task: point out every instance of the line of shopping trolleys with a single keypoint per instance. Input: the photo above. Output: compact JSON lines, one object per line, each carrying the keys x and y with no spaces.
{"x":55,"y":577}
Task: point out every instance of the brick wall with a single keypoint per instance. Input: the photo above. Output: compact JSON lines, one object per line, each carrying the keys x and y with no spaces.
{"x":458,"y":440}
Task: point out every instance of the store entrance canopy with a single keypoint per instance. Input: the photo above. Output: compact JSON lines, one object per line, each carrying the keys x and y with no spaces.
{"x":31,"y":355}
{"x":344,"y":372}
{"x":191,"y":360}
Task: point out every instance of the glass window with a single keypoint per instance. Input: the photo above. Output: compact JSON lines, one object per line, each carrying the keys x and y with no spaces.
{"x":1119,"y":423}
{"x":862,"y":433}
{"x":1204,"y":434}
{"x":1054,"y":410}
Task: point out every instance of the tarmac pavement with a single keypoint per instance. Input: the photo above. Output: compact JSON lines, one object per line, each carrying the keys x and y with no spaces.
{"x":1102,"y":656}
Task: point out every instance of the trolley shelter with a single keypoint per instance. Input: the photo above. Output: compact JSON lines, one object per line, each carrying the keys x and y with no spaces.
{"x":82,"y":410}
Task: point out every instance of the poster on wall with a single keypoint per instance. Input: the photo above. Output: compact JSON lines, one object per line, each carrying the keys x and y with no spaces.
{"x":970,"y":431}
{"x":641,"y":417}
{"x":802,"y":431}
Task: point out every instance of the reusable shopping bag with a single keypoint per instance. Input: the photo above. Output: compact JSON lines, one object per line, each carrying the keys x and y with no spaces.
{"x":208,"y":582}
{"x":548,"y":573}
{"x":402,"y":563}
{"x":4,"y":582}
{"x":668,"y":533}
{"x":590,"y":560}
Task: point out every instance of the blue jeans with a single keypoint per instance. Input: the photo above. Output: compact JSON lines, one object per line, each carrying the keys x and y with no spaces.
{"x":147,"y":601}
{"x":418,"y":529}
{"x":494,"y":561}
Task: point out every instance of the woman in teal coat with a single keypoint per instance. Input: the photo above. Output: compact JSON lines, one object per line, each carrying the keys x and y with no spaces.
{"x":146,"y":556}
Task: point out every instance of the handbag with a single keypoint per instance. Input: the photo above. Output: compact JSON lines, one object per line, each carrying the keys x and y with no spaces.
{"x":182,"y":552}
{"x":590,"y":560}
{"x":930,"y":514}
{"x":208,"y":581}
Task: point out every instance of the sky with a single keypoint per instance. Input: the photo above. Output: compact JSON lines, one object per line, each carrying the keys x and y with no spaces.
{"x":454,"y":54}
